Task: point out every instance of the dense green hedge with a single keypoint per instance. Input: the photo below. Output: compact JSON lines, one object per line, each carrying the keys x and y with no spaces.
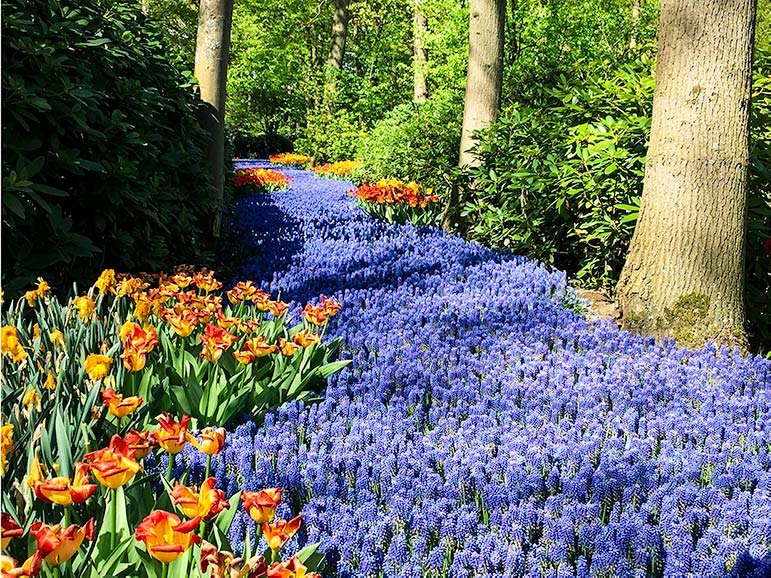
{"x":103,"y":160}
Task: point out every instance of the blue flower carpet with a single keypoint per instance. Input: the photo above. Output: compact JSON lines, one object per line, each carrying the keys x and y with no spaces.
{"x":484,"y":426}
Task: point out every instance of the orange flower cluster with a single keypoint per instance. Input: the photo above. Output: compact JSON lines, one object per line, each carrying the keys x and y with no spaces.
{"x":261,"y":179}
{"x":338,"y":169}
{"x":394,"y":192}
{"x":290,"y":159}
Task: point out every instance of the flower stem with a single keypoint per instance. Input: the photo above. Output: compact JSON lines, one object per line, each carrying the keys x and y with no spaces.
{"x":114,"y":517}
{"x":171,"y":465}
{"x":165,"y":571}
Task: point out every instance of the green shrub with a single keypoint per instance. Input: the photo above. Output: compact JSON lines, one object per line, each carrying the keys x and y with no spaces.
{"x":562,"y":182}
{"x":103,"y":160}
{"x":415,"y":142}
{"x":330,"y":137}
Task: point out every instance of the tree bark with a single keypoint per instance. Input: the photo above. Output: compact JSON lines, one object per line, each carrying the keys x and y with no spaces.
{"x":212,"y":51}
{"x":487,"y":20}
{"x":635,"y":22}
{"x":684,"y":275}
{"x":340,"y":19}
{"x":483,"y":79}
{"x":420,"y":55}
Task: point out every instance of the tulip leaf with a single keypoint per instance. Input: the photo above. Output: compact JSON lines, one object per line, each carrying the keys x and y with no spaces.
{"x":312,"y":559}
{"x":63,"y":443}
{"x":225,"y":519}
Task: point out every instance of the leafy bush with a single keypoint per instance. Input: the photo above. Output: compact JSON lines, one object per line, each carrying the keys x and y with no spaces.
{"x":103,"y":160}
{"x":259,"y":147}
{"x":415,"y":142}
{"x":330,"y":136}
{"x":562,"y":183}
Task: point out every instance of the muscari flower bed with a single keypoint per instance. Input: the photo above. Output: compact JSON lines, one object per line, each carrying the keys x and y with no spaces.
{"x":485,"y":427}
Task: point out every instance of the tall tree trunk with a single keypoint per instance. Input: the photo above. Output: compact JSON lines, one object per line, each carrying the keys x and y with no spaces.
{"x":340,"y":19}
{"x":635,"y":22}
{"x":212,"y":51}
{"x":684,"y":275}
{"x":483,"y":84}
{"x":483,"y":79}
{"x":420,"y":56}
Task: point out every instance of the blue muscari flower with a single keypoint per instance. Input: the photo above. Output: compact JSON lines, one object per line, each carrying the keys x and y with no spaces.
{"x":482,"y":416}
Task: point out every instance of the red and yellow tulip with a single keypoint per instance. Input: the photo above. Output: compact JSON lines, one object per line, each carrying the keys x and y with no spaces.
{"x":165,"y":536}
{"x":172,"y":434}
{"x":60,"y":545}
{"x":261,"y":506}
{"x":212,"y":440}
{"x":115,"y":465}
{"x":118,"y":405}
{"x":204,"y":504}
{"x":280,"y":532}
{"x":66,"y":491}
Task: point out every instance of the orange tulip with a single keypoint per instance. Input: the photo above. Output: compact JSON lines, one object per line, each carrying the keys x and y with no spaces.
{"x":106,"y":282}
{"x":278,"y":308}
{"x":6,"y":446}
{"x":259,"y":347}
{"x":212,"y":440}
{"x":9,"y":529}
{"x":65,"y":492}
{"x":85,"y":307}
{"x":249,"y":326}
{"x":279,"y":533}
{"x":261,"y":506}
{"x":315,"y":315}
{"x":215,"y":341}
{"x":118,"y":405}
{"x":331,"y":306}
{"x":114,"y":465}
{"x":226,"y":565}
{"x":207,"y":282}
{"x":291,"y":568}
{"x":171,"y":435}
{"x":97,"y":366}
{"x":11,"y":345}
{"x":287,"y":348}
{"x":165,"y":536}
{"x":244,"y":357}
{"x":134,"y":336}
{"x":305,"y":338}
{"x":205,"y":504}
{"x":182,"y":320}
{"x":11,"y":569}
{"x":60,"y":545}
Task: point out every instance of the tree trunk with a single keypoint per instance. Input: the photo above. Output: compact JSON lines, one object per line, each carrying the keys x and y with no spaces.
{"x":684,"y":275}
{"x":635,"y":22}
{"x":340,"y":18}
{"x":483,"y":84}
{"x":483,"y":79}
{"x":420,"y":56}
{"x":212,"y":51}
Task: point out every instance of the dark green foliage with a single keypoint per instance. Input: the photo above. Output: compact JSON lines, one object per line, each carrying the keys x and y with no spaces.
{"x":415,"y":142}
{"x":250,"y":147}
{"x":758,"y":264}
{"x":562,"y":182}
{"x":103,"y":160}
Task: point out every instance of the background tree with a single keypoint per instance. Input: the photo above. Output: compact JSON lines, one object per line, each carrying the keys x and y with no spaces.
{"x":211,"y":68}
{"x":686,"y":260}
{"x":485,"y":72}
{"x":340,"y":17}
{"x":419,"y":53}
